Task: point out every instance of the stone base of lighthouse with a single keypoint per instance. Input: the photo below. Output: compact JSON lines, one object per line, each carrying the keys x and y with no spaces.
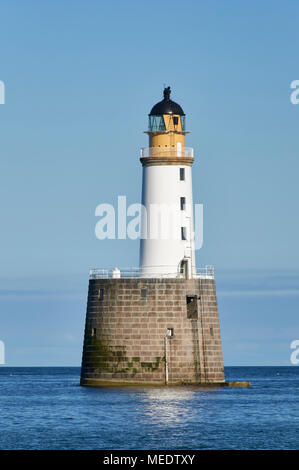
{"x":152,"y":331}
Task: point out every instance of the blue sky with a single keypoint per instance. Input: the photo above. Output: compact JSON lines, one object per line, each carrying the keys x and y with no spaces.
{"x":80,"y":79}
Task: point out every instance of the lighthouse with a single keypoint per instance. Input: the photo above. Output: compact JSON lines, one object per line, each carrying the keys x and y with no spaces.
{"x":157,"y":324}
{"x":167,"y":227}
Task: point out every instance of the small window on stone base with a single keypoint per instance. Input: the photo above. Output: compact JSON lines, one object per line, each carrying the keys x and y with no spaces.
{"x":144,"y":293}
{"x":170,"y":332}
{"x":211,"y":331}
{"x":101,"y":294}
{"x":93,"y":331}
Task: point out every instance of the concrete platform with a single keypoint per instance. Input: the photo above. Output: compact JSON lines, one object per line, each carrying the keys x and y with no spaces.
{"x":102,"y":383}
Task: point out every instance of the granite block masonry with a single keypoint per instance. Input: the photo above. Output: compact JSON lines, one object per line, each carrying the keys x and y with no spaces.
{"x":152,"y":331}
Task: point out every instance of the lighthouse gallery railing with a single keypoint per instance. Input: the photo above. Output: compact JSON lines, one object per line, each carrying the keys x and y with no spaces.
{"x":135,"y":273}
{"x":166,"y":152}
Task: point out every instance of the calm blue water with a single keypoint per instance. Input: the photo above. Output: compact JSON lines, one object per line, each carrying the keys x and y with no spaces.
{"x":45,"y":408}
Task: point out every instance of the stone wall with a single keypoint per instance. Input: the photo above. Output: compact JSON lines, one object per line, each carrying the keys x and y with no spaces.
{"x":126,"y":324}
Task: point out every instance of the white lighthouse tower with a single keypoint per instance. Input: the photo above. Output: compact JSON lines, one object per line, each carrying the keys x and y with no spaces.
{"x":167,"y":228}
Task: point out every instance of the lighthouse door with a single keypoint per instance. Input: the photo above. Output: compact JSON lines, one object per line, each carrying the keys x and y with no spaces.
{"x":179,"y":149}
{"x":184,"y":268}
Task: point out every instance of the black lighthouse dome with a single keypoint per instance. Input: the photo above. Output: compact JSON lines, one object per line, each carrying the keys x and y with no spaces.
{"x":166,"y":115}
{"x":166,"y":106}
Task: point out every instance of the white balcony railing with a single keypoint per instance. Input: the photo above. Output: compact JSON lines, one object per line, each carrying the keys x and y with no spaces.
{"x":206,"y":272}
{"x":166,"y":152}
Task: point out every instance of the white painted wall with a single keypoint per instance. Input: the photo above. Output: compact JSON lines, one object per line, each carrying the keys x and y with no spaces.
{"x":161,"y":186}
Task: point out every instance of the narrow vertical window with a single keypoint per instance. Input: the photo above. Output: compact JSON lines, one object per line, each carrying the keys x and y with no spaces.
{"x":183,"y":233}
{"x":170,"y":332}
{"x":93,"y":331}
{"x":183,"y":203}
{"x":211,"y":331}
{"x":144,"y":293}
{"x":101,"y":294}
{"x":182,"y":174}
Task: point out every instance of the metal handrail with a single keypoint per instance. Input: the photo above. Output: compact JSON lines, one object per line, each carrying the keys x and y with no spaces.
{"x":135,"y":273}
{"x":146,"y":152}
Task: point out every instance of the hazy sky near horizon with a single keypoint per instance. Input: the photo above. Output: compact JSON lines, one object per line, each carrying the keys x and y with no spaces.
{"x":80,"y":79}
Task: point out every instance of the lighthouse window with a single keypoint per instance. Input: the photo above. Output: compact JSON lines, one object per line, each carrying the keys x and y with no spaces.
{"x":183,"y":203}
{"x":182,"y":174}
{"x":175,"y":120}
{"x":93,"y":331}
{"x":156,"y":123}
{"x":183,"y":233}
{"x":101,"y":294}
{"x":144,"y":293}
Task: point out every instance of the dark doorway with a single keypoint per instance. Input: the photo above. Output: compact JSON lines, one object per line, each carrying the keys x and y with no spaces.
{"x":184,"y":268}
{"x":192,"y":310}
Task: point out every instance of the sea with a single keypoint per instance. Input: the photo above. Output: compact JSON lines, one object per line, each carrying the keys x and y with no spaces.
{"x":46,"y":408}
